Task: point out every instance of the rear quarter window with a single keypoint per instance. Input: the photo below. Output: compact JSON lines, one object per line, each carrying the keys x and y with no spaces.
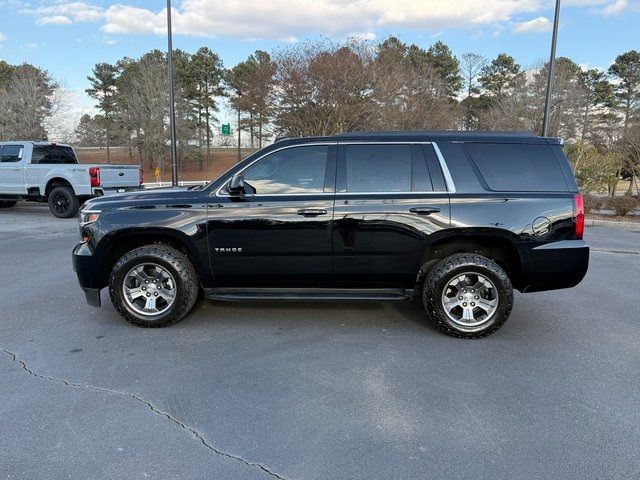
{"x":518,"y":167}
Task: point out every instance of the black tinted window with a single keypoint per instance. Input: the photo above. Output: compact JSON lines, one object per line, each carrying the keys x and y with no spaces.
{"x":48,"y":154}
{"x":378,"y":168}
{"x":292,"y":170}
{"x":518,"y":167}
{"x":11,"y":153}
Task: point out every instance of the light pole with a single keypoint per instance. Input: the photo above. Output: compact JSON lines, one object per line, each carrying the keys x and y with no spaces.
{"x":172,"y":105}
{"x":550,"y":73}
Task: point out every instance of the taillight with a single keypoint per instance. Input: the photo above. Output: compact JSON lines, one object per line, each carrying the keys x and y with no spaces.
{"x":578,"y":207}
{"x":141,"y":176}
{"x":94,"y":176}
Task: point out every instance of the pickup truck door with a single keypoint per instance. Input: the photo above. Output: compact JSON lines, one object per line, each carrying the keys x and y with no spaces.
{"x":12,"y":162}
{"x":390,"y":200}
{"x":279,"y":231}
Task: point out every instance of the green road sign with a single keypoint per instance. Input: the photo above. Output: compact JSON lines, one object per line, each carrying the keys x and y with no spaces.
{"x":226,"y":129}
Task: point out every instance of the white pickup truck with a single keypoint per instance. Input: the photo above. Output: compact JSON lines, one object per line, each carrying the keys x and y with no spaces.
{"x":49,"y":172}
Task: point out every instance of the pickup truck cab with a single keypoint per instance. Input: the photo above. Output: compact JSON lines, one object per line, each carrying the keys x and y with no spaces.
{"x":456,"y":219}
{"x":49,"y":172}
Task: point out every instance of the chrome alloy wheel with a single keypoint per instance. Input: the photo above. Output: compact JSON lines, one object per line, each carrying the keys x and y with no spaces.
{"x":470,"y":299}
{"x":149,"y":289}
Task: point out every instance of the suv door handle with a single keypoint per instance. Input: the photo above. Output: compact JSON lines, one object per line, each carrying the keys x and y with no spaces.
{"x":312,"y":212}
{"x":424,"y":210}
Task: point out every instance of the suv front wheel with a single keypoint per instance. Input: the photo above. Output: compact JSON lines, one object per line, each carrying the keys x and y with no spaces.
{"x":153,"y":286}
{"x":468,"y":295}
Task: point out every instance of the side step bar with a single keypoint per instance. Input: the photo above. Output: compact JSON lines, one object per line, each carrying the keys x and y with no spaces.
{"x":313,"y":294}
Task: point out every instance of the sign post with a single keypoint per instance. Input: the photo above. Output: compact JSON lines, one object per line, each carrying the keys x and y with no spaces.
{"x":226,"y":129}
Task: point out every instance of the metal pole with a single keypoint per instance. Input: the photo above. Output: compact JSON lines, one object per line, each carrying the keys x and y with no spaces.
{"x":172,"y":105}
{"x":552,"y":66}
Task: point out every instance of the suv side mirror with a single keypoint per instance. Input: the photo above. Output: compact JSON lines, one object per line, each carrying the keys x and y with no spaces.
{"x":236,"y":185}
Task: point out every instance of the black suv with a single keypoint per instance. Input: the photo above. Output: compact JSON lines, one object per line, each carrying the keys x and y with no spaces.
{"x":457,"y":218}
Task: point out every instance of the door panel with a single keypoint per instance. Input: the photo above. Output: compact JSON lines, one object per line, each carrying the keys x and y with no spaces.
{"x":12,"y":160}
{"x":266,"y":240}
{"x":380,"y":240}
{"x":276,"y":238}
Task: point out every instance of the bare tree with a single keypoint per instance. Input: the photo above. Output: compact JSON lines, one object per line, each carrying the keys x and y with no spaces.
{"x":322,"y":88}
{"x":471,"y":67}
{"x":28,"y":100}
{"x":143,"y":96}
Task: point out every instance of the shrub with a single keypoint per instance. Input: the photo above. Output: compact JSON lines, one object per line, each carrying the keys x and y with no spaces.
{"x":592,"y":202}
{"x":623,"y":205}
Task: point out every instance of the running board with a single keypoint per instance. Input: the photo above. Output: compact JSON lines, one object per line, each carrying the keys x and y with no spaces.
{"x":313,"y":294}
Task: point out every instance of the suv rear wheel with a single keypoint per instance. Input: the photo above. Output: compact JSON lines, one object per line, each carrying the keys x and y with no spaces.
{"x":153,"y":286}
{"x":63,"y":203}
{"x":468,"y":295}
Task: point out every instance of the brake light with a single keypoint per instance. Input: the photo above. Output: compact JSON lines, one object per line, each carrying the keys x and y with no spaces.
{"x":141,"y":176}
{"x":94,"y":176}
{"x":578,"y":207}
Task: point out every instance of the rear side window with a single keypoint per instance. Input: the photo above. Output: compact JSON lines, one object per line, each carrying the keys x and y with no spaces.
{"x":518,"y":167}
{"x":380,"y":168}
{"x":53,"y":154}
{"x":10,"y":153}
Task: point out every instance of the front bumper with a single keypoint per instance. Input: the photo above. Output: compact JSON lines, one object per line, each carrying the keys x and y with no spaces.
{"x":86,"y":267}
{"x":555,"y":265}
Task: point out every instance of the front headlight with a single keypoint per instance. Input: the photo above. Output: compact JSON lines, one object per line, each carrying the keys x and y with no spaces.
{"x":87,"y":217}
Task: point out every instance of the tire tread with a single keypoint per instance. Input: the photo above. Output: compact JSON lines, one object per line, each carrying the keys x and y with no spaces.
{"x":443,"y":268}
{"x":186,"y":271}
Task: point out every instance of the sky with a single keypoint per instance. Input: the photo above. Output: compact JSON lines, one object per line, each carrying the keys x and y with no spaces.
{"x":68,"y":38}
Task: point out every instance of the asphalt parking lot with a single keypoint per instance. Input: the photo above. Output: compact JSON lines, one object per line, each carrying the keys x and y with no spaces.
{"x":313,"y":390}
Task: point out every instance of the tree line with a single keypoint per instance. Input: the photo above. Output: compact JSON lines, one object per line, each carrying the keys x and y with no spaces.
{"x":325,"y":87}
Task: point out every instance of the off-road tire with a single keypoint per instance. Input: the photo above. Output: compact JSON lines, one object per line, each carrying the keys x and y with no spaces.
{"x":71,"y":202}
{"x":177,"y":263}
{"x":444,"y":271}
{"x":8,"y":203}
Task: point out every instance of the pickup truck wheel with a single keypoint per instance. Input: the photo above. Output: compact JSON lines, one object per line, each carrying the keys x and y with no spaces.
{"x":153,"y":286}
{"x":63,"y":203}
{"x":8,"y":203}
{"x":468,"y":296}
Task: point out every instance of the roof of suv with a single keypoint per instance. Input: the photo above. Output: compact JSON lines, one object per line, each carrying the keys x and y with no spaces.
{"x":425,"y":136}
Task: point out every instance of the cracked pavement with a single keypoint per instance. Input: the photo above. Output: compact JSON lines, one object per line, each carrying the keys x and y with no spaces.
{"x":290,"y":390}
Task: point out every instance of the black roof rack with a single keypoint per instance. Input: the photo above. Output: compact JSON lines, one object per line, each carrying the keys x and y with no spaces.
{"x":471,"y":133}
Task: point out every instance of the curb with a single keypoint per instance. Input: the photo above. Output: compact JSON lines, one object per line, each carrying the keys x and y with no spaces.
{"x":612,"y":224}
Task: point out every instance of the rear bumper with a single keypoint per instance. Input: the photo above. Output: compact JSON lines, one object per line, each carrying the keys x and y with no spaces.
{"x":106,"y":192}
{"x":554,"y":265}
{"x":86,"y":267}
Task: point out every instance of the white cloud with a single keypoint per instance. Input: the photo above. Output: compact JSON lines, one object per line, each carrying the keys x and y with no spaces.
{"x":278,"y":18}
{"x":615,"y":8}
{"x":292,"y":19}
{"x":73,"y":12}
{"x":537,"y":25}
{"x":54,"y":20}
{"x":3,"y":37}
